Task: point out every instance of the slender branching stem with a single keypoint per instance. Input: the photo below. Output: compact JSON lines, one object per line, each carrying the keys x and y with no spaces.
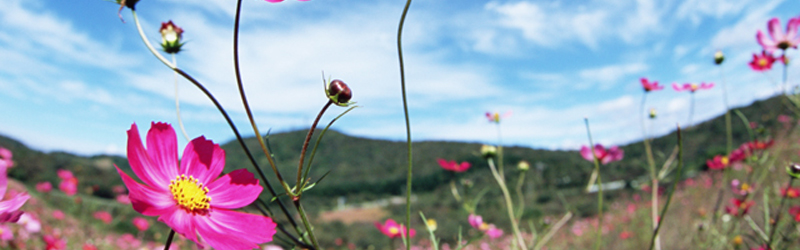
{"x":219,"y":107}
{"x":169,"y":239}
{"x":651,"y":163}
{"x":498,"y":176}
{"x":307,"y":224}
{"x":599,"y":240}
{"x":672,"y":191}
{"x":405,"y":112}
{"x":178,"y":103}
{"x":778,"y":213}
{"x":305,"y":147}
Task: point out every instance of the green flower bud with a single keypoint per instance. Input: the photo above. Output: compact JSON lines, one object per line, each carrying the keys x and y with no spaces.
{"x":523,"y":166}
{"x":488,"y":151}
{"x":171,"y":36}
{"x":793,"y":170}
{"x":719,"y":57}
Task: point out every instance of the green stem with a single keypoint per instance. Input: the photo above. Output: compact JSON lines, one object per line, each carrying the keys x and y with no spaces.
{"x":405,"y":112}
{"x":178,"y":103}
{"x":653,"y":175}
{"x":728,"y":131}
{"x":509,"y":205}
{"x":599,"y":240}
{"x":672,"y":191}
{"x":778,"y":213}
{"x":305,"y":147}
{"x":169,"y":239}
{"x":306,"y":223}
{"x":520,"y":196}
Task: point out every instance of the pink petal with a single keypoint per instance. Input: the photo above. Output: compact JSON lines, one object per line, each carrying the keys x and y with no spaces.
{"x":586,"y":152}
{"x":768,"y":44}
{"x":3,"y":181}
{"x":162,"y":146}
{"x":676,"y":87}
{"x":234,"y":190}
{"x":141,"y":164}
{"x":225,"y":229}
{"x":183,"y":223}
{"x":147,"y":200}
{"x":774,"y":27}
{"x":791,"y":30}
{"x":203,"y":160}
{"x":14,"y":204}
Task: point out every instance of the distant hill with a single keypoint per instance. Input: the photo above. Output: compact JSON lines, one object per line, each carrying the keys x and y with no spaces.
{"x":373,"y":168}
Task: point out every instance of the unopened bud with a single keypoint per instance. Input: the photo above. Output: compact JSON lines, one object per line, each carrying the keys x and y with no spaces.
{"x":339,"y":92}
{"x":793,"y":170}
{"x":488,"y":151}
{"x":652,"y":113}
{"x":719,"y":57}
{"x":171,"y":36}
{"x":523,"y":166}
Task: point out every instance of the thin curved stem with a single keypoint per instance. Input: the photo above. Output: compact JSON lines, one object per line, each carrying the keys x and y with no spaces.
{"x":509,"y":204}
{"x":305,"y":147}
{"x":405,"y":112}
{"x":653,"y":175}
{"x":599,"y":239}
{"x":178,"y":103}
{"x":221,"y":110}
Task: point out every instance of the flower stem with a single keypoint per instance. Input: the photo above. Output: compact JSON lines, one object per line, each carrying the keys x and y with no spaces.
{"x":221,"y":110}
{"x":309,"y":229}
{"x":691,"y":110}
{"x":509,"y":205}
{"x":778,"y":213}
{"x":408,"y":123}
{"x":728,"y":131}
{"x":653,"y":175}
{"x":672,"y":191}
{"x":599,"y":240}
{"x":169,"y":239}
{"x":178,"y":103}
{"x":305,"y":147}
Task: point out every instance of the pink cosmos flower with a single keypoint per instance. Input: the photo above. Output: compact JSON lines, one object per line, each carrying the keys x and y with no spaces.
{"x":496,"y":117}
{"x":625,"y":234}
{"x":476,"y":221}
{"x":692,"y":86}
{"x":650,"y":86}
{"x":393,"y":230}
{"x":54,"y":243}
{"x":9,"y":209}
{"x":740,"y":207}
{"x":719,"y":162}
{"x":44,"y":187}
{"x":69,"y":186}
{"x":603,"y":155}
{"x":190,"y":196}
{"x":762,"y":62}
{"x":777,"y":39}
{"x":89,"y":246}
{"x":31,"y":224}
{"x":453,"y":165}
{"x":494,"y":232}
{"x":64,"y":174}
{"x":123,"y":199}
{"x":5,"y":158}
{"x":58,"y":215}
{"x":791,"y":192}
{"x":103,"y":216}
{"x":795,"y":212}
{"x":141,"y":223}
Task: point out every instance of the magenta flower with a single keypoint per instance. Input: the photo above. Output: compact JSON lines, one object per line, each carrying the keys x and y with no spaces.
{"x":9,"y":209}
{"x":44,"y":187}
{"x":494,"y":232}
{"x":650,"y":86}
{"x":69,"y":186}
{"x":141,"y":223}
{"x":762,"y":62}
{"x":103,"y":216}
{"x":58,"y":215}
{"x":393,"y":230}
{"x":603,"y":155}
{"x":692,"y":86}
{"x":453,"y":165}
{"x":476,"y":221}
{"x":64,"y":174}
{"x":188,"y":196}
{"x":496,"y":117}
{"x":5,"y":158}
{"x":777,"y":39}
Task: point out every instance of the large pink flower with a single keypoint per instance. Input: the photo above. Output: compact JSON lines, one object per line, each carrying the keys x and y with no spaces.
{"x":692,"y":86}
{"x":9,"y":209}
{"x":604,"y":156}
{"x":188,"y":196}
{"x":762,"y":62}
{"x":393,"y":230}
{"x":650,"y":86}
{"x":777,"y":39}
{"x":453,"y":165}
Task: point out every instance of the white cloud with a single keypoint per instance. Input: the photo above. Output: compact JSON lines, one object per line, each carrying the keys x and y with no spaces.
{"x":608,"y":76}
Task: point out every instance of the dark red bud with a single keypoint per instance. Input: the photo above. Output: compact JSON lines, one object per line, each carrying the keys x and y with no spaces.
{"x":339,"y":92}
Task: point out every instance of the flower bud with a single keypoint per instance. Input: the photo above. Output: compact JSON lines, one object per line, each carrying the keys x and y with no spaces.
{"x":719,"y":57}
{"x":793,"y":170}
{"x":431,"y":223}
{"x":523,"y":166}
{"x":652,"y":113}
{"x":339,"y":92}
{"x":488,"y":151}
{"x":171,"y":36}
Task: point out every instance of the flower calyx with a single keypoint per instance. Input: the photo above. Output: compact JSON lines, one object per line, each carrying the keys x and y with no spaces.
{"x":338,"y":92}
{"x":171,"y":36}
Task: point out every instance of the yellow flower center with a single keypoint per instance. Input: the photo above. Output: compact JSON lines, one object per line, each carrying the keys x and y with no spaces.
{"x":483,"y":227}
{"x":745,"y":187}
{"x":189,"y":193}
{"x":724,"y":161}
{"x":694,"y":87}
{"x":762,"y":62}
{"x":394,"y":230}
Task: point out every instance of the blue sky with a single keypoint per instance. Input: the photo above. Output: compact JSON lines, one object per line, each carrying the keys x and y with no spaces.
{"x":74,"y":78}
